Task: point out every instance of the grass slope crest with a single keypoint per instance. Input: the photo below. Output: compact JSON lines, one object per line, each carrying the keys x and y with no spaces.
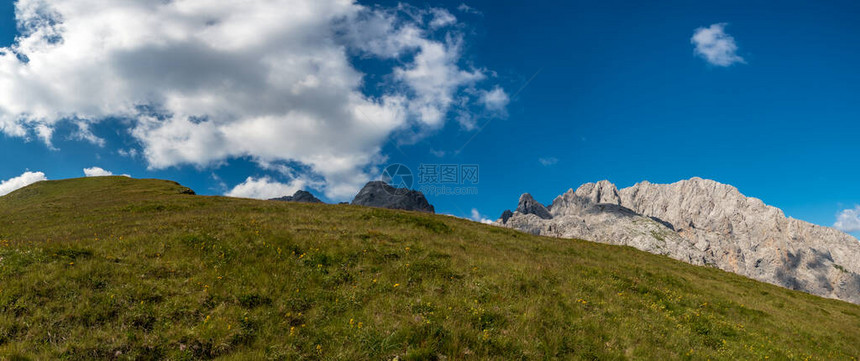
{"x":118,"y":268}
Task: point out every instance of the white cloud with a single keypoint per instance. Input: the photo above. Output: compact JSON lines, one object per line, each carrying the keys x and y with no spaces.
{"x":495,"y":100}
{"x":28,"y":178}
{"x":478,"y":217}
{"x":99,"y":172}
{"x":96,"y":172}
{"x":715,"y":46}
{"x":441,"y":18}
{"x":467,"y":121}
{"x":434,"y":77}
{"x":468,"y":9}
{"x":848,"y":220}
{"x":128,"y":153}
{"x":265,"y":188}
{"x":546,"y":162}
{"x":438,"y":153}
{"x":85,"y":133}
{"x":199,"y":82}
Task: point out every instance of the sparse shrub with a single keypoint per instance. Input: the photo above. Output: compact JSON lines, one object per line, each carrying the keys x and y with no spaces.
{"x":254,"y":300}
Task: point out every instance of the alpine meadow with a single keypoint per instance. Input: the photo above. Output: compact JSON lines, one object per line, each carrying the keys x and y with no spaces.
{"x":146,"y":270}
{"x":410,"y":180}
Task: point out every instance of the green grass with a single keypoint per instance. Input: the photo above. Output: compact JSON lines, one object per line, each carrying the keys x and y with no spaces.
{"x":115,"y":268}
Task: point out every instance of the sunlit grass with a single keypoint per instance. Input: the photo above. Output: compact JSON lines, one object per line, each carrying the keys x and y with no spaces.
{"x":111,"y":268}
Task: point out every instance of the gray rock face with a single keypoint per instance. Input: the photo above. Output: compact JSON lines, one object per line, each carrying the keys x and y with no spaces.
{"x":528,"y":205}
{"x":707,"y":223}
{"x":300,"y":197}
{"x":381,"y":195}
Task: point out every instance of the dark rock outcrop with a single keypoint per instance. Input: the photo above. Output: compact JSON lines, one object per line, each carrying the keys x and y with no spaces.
{"x":506,"y":215}
{"x":300,"y":197}
{"x":381,"y":195}
{"x":528,"y":205}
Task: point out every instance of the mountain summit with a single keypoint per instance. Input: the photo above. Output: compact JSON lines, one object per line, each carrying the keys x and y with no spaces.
{"x":704,"y":222}
{"x":300,"y":196}
{"x":381,"y":195}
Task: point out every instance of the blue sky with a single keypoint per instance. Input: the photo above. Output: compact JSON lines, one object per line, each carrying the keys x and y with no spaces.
{"x":606,"y":90}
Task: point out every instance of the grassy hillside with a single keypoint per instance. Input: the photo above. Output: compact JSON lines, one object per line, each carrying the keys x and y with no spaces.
{"x":115,"y":268}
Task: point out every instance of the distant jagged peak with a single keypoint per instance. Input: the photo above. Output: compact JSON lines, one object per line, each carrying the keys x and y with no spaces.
{"x":528,"y":205}
{"x":703,"y":221}
{"x":506,"y":215}
{"x":382,"y":195}
{"x":695,"y":189}
{"x":601,"y":192}
{"x":698,"y":183}
{"x":695,"y":192}
{"x":527,"y":197}
{"x":586,"y":195}
{"x":699,"y":197}
{"x":301,"y":196}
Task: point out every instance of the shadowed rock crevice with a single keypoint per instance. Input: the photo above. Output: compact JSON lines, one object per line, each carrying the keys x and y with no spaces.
{"x":667,"y":224}
{"x":819,"y":260}
{"x":612,"y":208}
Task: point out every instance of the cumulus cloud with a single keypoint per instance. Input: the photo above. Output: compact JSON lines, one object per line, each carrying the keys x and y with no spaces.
{"x":478,"y":217}
{"x":200,"y":82}
{"x":96,"y":172}
{"x":99,"y":172}
{"x":495,"y":100}
{"x":265,"y":188}
{"x":848,"y":220}
{"x":716,"y":46}
{"x":546,"y":162}
{"x":28,"y":178}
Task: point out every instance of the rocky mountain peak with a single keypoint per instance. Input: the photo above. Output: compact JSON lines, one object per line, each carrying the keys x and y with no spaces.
{"x":574,"y":201}
{"x":600,"y":192}
{"x":528,"y":205}
{"x":703,"y":221}
{"x":506,"y":215}
{"x":698,"y":203}
{"x":381,"y":195}
{"x":300,"y":196}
